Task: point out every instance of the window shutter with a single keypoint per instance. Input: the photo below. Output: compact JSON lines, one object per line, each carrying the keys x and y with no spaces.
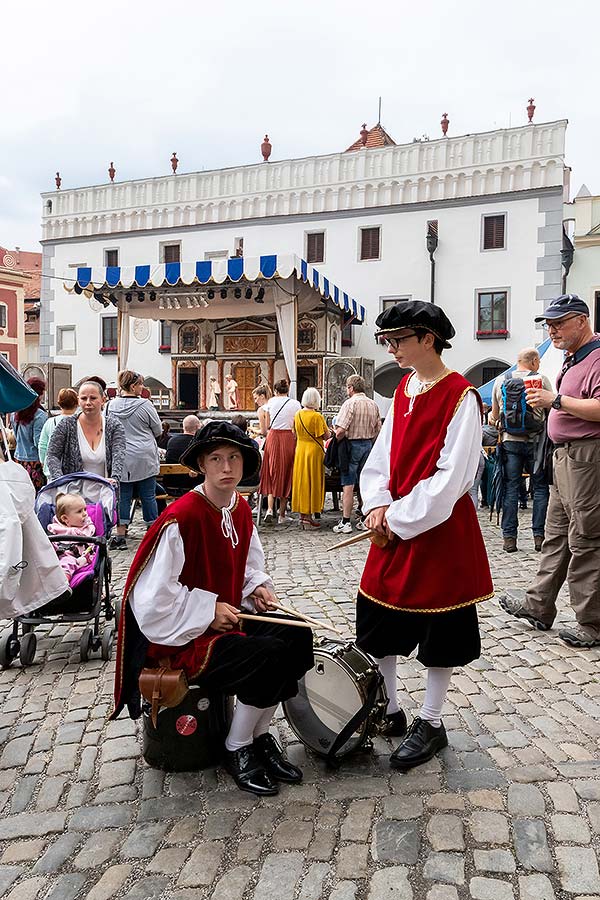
{"x":172,"y":253}
{"x":315,"y":247}
{"x":369,"y":243}
{"x":493,"y":232}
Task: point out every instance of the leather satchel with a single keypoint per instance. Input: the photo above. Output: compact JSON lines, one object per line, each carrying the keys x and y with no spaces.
{"x":162,"y":687}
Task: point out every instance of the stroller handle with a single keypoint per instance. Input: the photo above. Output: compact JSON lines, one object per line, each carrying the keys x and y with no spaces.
{"x":76,"y":539}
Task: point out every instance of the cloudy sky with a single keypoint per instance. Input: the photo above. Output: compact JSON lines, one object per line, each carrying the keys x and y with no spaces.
{"x":131,"y":81}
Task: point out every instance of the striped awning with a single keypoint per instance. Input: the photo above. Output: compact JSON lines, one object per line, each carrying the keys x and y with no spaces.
{"x":219,"y":271}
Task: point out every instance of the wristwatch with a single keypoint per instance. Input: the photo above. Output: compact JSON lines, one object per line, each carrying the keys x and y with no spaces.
{"x":557,"y":402}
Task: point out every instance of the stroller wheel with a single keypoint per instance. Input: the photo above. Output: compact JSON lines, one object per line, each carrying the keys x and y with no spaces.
{"x":9,"y":647}
{"x":28,"y":648}
{"x":85,"y":644}
{"x":108,"y":637}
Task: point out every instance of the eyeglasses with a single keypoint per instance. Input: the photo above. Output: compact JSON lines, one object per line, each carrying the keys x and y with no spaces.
{"x":557,"y":326}
{"x":394,"y":343}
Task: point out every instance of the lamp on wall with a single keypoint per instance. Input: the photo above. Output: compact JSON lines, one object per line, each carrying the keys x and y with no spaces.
{"x":260,"y":294}
{"x":237,"y":293}
{"x":223,"y":293}
{"x":211,"y":294}
{"x":248,"y":294}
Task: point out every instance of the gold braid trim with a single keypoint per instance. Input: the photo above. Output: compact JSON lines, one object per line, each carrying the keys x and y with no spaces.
{"x":419,"y":610}
{"x":461,"y":398}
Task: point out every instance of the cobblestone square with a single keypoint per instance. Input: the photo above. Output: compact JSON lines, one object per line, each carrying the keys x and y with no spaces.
{"x":510,"y":811}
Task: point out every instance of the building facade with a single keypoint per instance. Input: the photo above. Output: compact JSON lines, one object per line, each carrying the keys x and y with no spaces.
{"x":13,"y":286}
{"x":582,"y":219}
{"x":487,"y":208}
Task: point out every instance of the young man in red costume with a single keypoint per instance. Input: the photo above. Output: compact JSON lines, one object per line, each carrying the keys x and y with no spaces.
{"x":420,"y":589}
{"x":197,"y":566}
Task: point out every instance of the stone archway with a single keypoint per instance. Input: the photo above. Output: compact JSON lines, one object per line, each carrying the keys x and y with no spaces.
{"x":486,"y":370}
{"x":387,"y":378}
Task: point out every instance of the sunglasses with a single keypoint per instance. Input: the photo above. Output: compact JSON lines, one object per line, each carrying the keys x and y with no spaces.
{"x":394,"y":343}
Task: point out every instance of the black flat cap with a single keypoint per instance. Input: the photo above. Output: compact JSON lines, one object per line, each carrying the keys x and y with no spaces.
{"x":565,"y":305}
{"x":215,"y":433}
{"x":416,"y":314}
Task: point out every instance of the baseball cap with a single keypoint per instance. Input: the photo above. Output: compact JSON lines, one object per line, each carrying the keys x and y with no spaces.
{"x":565,"y":305}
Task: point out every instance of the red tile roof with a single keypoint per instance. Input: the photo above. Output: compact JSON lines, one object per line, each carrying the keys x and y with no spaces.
{"x":29,"y":263}
{"x":376,"y":137}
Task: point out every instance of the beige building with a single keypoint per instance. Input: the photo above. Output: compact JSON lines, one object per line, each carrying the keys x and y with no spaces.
{"x":582,"y":221}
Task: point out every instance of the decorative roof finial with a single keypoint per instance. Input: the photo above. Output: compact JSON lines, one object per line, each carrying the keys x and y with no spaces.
{"x":174,"y":163}
{"x":58,"y":181}
{"x":265,"y":148}
{"x":444,"y":123}
{"x":112,"y":172}
{"x":531,"y":109}
{"x":364,"y":134}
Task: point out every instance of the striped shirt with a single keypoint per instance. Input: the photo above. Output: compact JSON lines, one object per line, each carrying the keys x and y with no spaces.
{"x":360,"y":418}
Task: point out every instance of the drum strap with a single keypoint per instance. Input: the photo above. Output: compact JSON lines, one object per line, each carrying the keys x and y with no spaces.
{"x":355,"y":722}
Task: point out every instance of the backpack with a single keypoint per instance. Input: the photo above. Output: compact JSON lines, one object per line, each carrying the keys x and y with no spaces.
{"x":516,"y":416}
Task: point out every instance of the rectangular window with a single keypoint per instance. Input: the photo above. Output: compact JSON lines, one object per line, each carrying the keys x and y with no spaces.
{"x":111,"y":258}
{"x":369,"y":243}
{"x":492,"y":314}
{"x":315,"y":247}
{"x":165,"y":337}
{"x":109,"y":334}
{"x":347,"y":331}
{"x":387,"y":302}
{"x":238,"y":246}
{"x":4,"y":354}
{"x":65,"y":340}
{"x":171,"y":253}
{"x":494,"y":232}
{"x":3,"y":316}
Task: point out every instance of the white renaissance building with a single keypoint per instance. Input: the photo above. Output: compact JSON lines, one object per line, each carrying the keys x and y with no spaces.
{"x":165,"y":274}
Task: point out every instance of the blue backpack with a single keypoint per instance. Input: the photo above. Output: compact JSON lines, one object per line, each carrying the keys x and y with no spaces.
{"x":516,"y":416}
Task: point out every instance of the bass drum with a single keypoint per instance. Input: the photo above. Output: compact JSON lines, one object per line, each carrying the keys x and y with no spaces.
{"x":342,"y":682}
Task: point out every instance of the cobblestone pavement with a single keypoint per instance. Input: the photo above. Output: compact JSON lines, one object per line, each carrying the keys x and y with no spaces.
{"x":510,"y":810}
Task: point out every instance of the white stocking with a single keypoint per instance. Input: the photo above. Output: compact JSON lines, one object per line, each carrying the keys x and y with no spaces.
{"x":387,"y":667}
{"x":262,"y":726}
{"x":245,"y":720}
{"x":438,"y":682}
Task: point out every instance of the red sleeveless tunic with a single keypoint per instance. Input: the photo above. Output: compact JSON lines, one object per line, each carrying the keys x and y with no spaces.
{"x":211,"y":563}
{"x":446,"y":567}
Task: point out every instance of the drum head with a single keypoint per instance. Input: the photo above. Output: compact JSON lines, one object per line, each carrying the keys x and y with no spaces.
{"x":328,"y":696}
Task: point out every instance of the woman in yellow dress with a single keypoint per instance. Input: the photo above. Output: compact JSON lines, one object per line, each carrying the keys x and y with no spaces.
{"x":308,"y":486}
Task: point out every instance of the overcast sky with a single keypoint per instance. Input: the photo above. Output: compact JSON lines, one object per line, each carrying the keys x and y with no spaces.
{"x":85,"y":83}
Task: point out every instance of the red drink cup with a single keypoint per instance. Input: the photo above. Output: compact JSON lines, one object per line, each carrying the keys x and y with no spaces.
{"x":533,"y":382}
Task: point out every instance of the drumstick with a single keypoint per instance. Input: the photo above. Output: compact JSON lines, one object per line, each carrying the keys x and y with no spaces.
{"x":361,"y":536}
{"x":311,"y":621}
{"x":296,"y":622}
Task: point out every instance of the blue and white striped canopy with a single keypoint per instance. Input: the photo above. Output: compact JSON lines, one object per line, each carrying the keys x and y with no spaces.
{"x":219,"y":271}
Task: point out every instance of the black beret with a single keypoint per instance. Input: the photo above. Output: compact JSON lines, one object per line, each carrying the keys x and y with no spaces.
{"x":416,"y":314}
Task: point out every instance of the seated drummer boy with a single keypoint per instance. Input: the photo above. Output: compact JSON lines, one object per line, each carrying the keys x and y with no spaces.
{"x":200,"y":562}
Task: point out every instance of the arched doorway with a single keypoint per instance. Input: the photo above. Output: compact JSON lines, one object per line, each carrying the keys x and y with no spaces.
{"x":387,"y":379}
{"x":485,"y":371}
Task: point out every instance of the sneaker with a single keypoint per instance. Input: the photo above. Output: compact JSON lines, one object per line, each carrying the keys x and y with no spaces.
{"x":118,"y":542}
{"x":268,"y":517}
{"x":285,"y":520}
{"x":578,"y":636}
{"x":342,"y":528}
{"x":510,"y":544}
{"x":423,"y":740}
{"x":515,"y":607}
{"x":360,"y":525}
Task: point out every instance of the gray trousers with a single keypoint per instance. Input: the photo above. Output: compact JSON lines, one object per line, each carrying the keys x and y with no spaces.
{"x":571,"y":550}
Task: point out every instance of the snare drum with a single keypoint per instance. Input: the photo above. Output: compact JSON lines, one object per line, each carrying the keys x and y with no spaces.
{"x":342,"y":681}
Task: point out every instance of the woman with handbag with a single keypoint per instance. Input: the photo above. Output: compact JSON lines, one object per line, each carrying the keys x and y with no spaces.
{"x":199,"y":564}
{"x":280,"y":446}
{"x":308,"y":485}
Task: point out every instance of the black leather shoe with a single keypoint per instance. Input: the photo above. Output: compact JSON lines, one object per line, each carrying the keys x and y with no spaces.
{"x":394,"y":724}
{"x":271,"y":756}
{"x":248,"y":771}
{"x":421,"y":743}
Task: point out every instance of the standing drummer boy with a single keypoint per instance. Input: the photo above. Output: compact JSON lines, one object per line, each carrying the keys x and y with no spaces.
{"x":420,"y":590}
{"x":198,"y":564}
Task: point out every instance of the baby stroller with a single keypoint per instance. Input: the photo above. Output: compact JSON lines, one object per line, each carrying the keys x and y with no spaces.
{"x":89,"y":593}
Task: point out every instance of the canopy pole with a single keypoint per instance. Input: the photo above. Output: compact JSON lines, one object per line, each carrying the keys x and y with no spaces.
{"x":119,"y":316}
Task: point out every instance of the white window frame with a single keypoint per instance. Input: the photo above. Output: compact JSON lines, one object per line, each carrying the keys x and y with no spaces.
{"x":101,"y":318}
{"x":212,"y":255}
{"x":60,"y":330}
{"x":322,"y":231}
{"x":388,"y":299}
{"x":161,"y":249}
{"x":108,"y":250}
{"x":5,"y":354}
{"x":362,"y":228}
{"x":4,"y":306}
{"x":489,"y":215}
{"x":501,"y":289}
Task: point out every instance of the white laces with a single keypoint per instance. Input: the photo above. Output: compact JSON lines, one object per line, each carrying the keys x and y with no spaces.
{"x":227,"y":526}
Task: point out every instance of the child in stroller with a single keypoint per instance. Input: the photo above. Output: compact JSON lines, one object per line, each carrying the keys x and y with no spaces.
{"x":72,"y":519}
{"x":89,"y":596}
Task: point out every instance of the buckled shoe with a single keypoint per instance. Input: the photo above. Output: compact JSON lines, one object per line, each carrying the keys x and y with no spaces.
{"x":421,"y":743}
{"x":248,"y":771}
{"x":394,"y":724}
{"x":270,"y":754}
